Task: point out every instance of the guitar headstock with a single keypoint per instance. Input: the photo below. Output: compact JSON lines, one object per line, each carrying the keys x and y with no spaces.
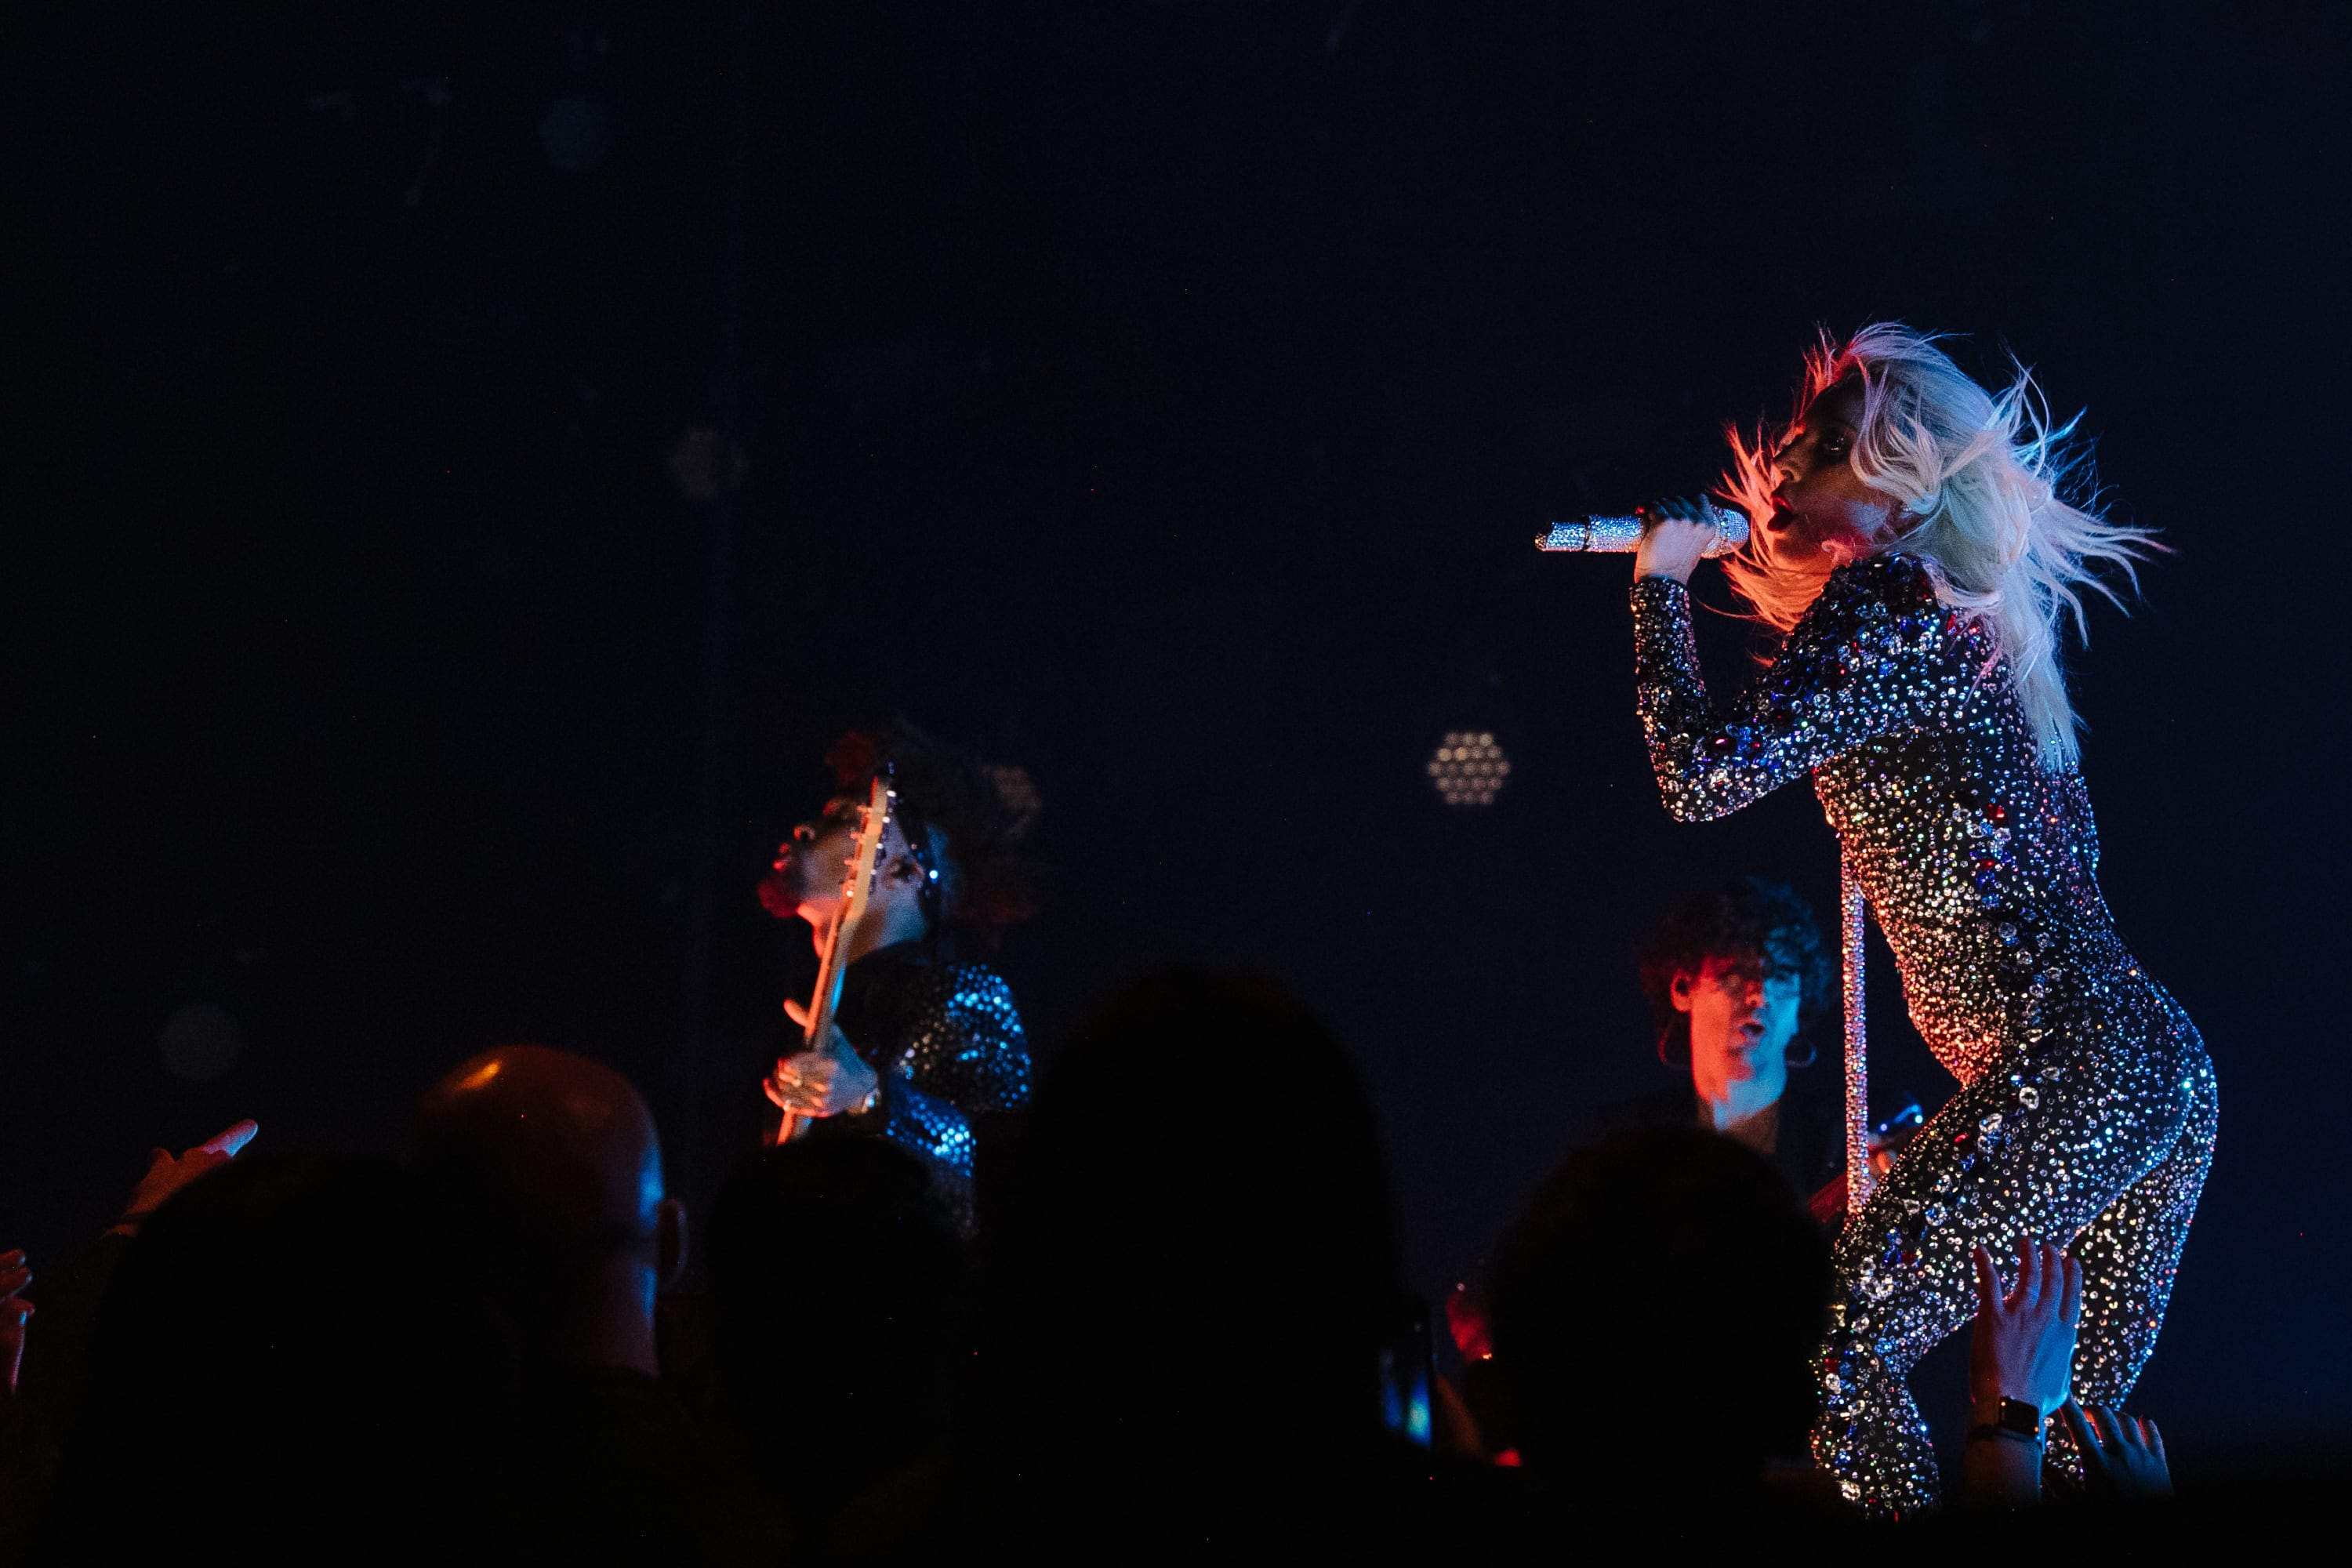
{"x":865,"y":850}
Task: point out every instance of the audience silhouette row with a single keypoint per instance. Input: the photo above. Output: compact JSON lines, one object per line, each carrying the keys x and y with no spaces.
{"x":1182,"y":1335}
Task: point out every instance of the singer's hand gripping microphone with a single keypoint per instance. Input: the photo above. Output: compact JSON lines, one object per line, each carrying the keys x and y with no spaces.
{"x":1623,"y":535}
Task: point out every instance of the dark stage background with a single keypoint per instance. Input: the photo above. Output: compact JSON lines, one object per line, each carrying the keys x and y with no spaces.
{"x":1161,"y":397}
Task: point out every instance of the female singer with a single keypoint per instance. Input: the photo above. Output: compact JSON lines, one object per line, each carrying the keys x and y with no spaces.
{"x":1911,"y":540}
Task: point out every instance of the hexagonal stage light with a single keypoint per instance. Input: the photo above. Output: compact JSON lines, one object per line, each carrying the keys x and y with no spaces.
{"x":1468,"y":768}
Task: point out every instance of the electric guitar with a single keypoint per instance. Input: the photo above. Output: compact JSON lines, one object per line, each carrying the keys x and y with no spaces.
{"x":833,"y":962}
{"x":1887,"y":1141}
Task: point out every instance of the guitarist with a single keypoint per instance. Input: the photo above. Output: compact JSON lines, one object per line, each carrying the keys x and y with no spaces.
{"x":1734,"y":977}
{"x":924,"y":1041}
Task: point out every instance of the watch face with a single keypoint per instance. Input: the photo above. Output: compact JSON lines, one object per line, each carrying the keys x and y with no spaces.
{"x":2018,"y":1416}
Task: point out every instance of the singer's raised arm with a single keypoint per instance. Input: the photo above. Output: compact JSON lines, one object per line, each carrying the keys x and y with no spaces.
{"x":1875,"y":661}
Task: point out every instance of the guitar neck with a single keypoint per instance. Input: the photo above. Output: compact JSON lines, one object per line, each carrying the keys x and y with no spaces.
{"x":833,"y":963}
{"x":832,"y":968}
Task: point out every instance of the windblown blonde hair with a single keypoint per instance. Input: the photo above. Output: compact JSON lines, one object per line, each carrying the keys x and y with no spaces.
{"x":1978,"y":477}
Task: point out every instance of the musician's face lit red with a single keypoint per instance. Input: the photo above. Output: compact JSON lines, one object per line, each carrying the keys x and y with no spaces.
{"x":1820,"y":507}
{"x":1741,"y":1024}
{"x":811,"y":868}
{"x":805,"y":880}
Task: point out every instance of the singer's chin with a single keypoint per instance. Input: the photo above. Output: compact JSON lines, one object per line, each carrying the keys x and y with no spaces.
{"x":1780,"y":535}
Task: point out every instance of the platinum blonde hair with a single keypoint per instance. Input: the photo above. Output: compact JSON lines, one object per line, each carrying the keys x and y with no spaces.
{"x":1990,"y":500}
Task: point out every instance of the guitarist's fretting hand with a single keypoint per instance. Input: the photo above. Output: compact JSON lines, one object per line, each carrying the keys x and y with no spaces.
{"x":824,"y":1082}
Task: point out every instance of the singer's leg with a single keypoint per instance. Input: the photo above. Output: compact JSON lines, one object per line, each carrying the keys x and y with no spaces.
{"x":2037,"y":1152}
{"x":2130,"y":1254}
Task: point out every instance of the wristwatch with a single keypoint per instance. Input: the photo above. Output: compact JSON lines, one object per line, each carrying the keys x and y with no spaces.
{"x":2016,"y":1419}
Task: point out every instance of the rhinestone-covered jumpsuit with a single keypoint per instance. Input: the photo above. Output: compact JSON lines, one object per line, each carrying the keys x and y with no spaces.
{"x":2086,"y":1107}
{"x":948,"y":1041}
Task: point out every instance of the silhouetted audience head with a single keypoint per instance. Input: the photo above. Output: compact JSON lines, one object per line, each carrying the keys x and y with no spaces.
{"x":1205,"y":1234}
{"x":552,"y":1166}
{"x":840,"y":1317}
{"x":282,"y":1370}
{"x":1656,"y":1312}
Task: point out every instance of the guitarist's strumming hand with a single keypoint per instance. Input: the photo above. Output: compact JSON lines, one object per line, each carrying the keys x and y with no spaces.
{"x":822,"y":1082}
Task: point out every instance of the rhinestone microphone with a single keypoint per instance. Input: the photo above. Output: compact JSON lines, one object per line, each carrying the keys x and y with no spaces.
{"x":1623,"y":535}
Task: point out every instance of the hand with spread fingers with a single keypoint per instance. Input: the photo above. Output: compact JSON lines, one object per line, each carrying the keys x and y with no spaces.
{"x":2123,"y":1454}
{"x":2020,"y":1370}
{"x":2022,"y":1347}
{"x":822,"y":1082}
{"x":167,"y":1175}
{"x":13,"y":1312}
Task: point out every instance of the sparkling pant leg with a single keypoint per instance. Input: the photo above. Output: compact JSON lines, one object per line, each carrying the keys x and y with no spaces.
{"x":2099,"y":1105}
{"x":2130,"y":1254}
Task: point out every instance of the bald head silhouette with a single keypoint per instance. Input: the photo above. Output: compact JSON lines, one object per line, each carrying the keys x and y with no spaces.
{"x":554,"y":1166}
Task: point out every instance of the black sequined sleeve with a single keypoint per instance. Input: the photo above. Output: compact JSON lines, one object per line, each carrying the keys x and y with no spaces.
{"x":1875,"y":656}
{"x":975,"y":1063}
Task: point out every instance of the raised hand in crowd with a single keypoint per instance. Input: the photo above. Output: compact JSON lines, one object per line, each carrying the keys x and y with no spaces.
{"x":167,"y":1175}
{"x":2123,"y":1454}
{"x":14,"y":1310}
{"x":2020,"y":1370}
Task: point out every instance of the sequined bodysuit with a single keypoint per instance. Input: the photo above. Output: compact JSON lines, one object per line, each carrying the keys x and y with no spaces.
{"x":2086,"y":1107}
{"x":948,"y":1041}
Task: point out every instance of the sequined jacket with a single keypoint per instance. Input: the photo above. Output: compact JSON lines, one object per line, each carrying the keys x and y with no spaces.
{"x":1980,"y":862}
{"x":948,"y":1041}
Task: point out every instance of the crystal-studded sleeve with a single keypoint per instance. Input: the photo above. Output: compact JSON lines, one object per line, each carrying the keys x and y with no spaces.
{"x":1873,"y":657}
{"x":977,"y":1064}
